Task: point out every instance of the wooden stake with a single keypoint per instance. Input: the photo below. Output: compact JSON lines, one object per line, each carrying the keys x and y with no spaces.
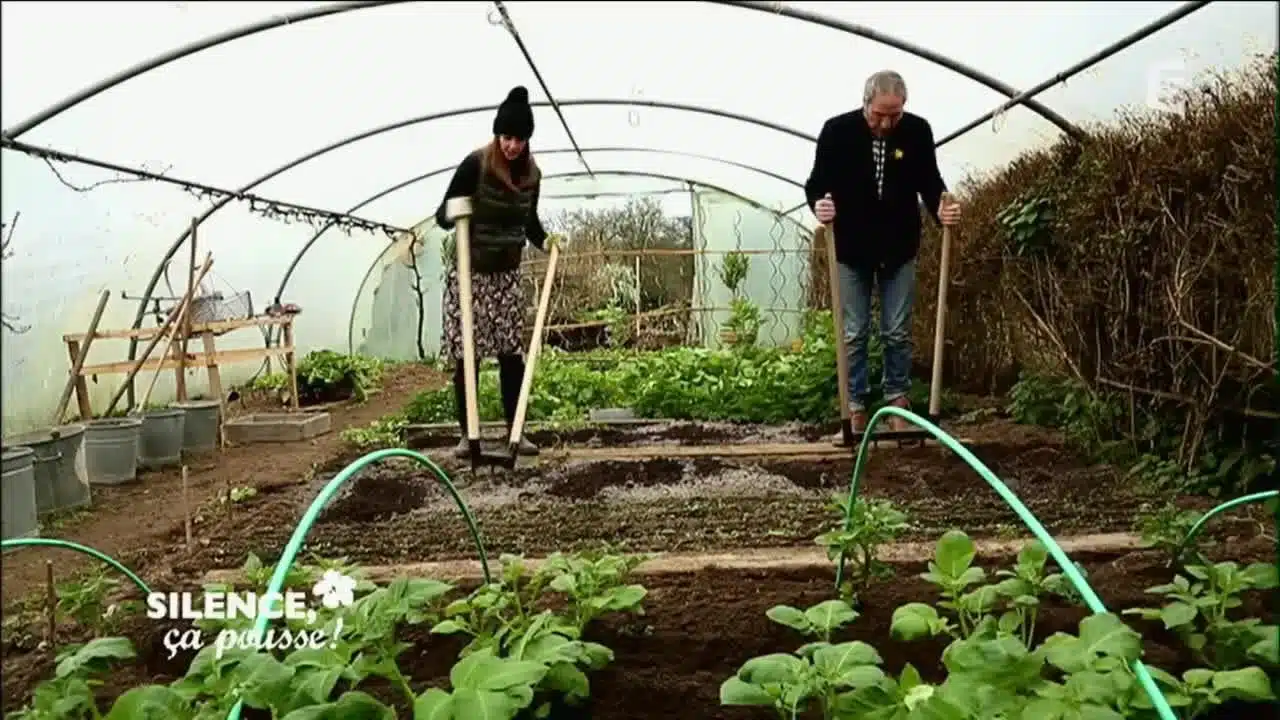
{"x":78,"y":359}
{"x":53,"y":602}
{"x":180,"y":374}
{"x":186,"y":507}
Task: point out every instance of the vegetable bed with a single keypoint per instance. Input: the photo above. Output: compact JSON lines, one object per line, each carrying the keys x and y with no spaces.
{"x":396,"y":512}
{"x":695,"y":633}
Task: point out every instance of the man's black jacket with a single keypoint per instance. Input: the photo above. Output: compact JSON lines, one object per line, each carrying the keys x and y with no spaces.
{"x":876,"y":232}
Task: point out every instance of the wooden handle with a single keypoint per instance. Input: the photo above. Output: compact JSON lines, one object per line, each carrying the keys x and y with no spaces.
{"x":462,"y":239}
{"x":940,"y":322}
{"x":837,"y":320}
{"x":535,"y":345}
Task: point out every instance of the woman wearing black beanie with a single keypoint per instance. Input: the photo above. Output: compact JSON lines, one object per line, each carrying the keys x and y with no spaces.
{"x":503,"y":182}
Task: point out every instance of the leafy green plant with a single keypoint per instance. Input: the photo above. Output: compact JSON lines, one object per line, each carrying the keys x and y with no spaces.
{"x":1199,"y":610}
{"x":508,"y":617}
{"x":381,"y":433}
{"x":743,"y":325}
{"x":1027,"y":225}
{"x":87,"y":600}
{"x":485,"y":685}
{"x":873,"y":523}
{"x":325,"y":375}
{"x":733,"y":270}
{"x":818,"y":674}
{"x":751,"y":384}
{"x":69,"y":694}
{"x":973,"y":607}
{"x":1165,"y":529}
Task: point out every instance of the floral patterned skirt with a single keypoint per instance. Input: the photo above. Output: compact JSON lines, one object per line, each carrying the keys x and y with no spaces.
{"x":497,"y":309}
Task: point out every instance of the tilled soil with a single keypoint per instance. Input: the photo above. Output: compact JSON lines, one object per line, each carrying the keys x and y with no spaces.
{"x":699,"y":628}
{"x":397,"y":512}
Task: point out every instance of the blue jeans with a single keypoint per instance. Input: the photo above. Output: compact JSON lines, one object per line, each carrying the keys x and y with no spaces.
{"x":897,"y":294}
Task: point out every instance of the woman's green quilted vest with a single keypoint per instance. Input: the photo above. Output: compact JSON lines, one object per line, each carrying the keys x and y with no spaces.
{"x":499,"y":216}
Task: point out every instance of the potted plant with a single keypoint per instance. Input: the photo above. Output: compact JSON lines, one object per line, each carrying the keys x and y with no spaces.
{"x":733,"y":270}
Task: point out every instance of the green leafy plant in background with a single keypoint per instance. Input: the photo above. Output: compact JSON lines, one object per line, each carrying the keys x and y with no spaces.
{"x":753,"y":384}
{"x":1165,"y":529}
{"x":325,"y":375}
{"x":743,"y":326}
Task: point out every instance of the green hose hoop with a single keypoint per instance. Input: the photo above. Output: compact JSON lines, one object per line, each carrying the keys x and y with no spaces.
{"x":313,"y":513}
{"x":1228,"y":505}
{"x":83,"y":549}
{"x":1068,"y":567}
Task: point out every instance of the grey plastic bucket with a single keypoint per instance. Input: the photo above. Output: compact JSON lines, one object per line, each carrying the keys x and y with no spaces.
{"x":111,"y":447}
{"x":200,"y":427}
{"x":162,"y":437}
{"x":19,"y":517}
{"x":61,"y":478}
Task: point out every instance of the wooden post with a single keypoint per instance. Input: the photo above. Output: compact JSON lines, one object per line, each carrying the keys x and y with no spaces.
{"x":79,"y":354}
{"x":215,"y":383}
{"x":186,"y":508}
{"x":290,"y":363}
{"x":180,"y":373}
{"x":82,"y":387}
{"x":940,"y":322}
{"x":160,"y":333}
{"x":636,"y":336}
{"x":183,"y":320}
{"x":52,"y":602}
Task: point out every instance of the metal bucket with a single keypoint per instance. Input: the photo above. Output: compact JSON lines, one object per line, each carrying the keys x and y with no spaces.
{"x":111,"y":447}
{"x":19,"y":517}
{"x":200,"y":427}
{"x":162,"y":437}
{"x":61,"y":478}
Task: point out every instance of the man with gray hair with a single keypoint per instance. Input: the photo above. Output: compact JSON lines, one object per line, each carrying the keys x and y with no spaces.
{"x":874,"y":165}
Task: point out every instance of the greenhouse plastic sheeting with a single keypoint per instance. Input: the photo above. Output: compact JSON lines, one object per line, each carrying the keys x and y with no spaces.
{"x":233,"y":112}
{"x":384,"y":319}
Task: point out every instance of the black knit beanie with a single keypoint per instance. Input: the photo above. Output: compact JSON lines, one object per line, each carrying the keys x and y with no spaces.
{"x":515,"y":117}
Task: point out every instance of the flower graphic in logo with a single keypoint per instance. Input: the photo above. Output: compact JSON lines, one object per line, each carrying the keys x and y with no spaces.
{"x":335,"y":590}
{"x":897,"y":154}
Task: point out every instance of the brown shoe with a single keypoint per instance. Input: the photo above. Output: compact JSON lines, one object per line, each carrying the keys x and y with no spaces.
{"x":898,"y":424}
{"x":857,"y":421}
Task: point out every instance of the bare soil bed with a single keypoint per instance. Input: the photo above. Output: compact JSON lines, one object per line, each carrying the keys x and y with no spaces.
{"x":397,"y":511}
{"x":639,"y":433}
{"x":698,"y":629}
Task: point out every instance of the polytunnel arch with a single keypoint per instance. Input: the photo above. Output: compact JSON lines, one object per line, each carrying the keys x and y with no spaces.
{"x":753,"y":203}
{"x":318,"y":12}
{"x":300,"y":16}
{"x":297,"y":258}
